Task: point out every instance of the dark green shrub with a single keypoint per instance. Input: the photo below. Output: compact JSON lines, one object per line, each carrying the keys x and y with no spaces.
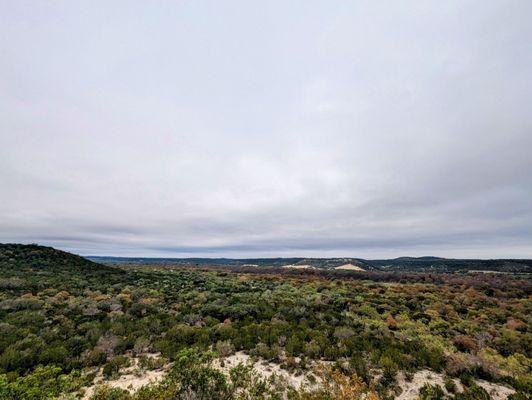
{"x":450,"y":386}
{"x":431,"y":392}
{"x":95,"y":357}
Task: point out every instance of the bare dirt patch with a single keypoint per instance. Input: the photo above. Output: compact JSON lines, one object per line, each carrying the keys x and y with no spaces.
{"x":497,"y":392}
{"x":349,"y":267}
{"x":266,"y":370}
{"x":410,"y":389}
{"x":296,"y":266}
{"x":131,"y":378}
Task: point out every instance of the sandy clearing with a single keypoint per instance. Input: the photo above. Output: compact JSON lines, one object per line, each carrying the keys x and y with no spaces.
{"x":131,"y":379}
{"x":410,"y":389}
{"x":295,"y":266}
{"x":264,"y":368}
{"x":497,"y":392}
{"x":349,"y":267}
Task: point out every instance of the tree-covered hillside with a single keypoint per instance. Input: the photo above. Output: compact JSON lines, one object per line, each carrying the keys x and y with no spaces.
{"x":32,"y":256}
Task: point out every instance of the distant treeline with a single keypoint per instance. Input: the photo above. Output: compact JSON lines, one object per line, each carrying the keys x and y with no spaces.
{"x":406,"y":264}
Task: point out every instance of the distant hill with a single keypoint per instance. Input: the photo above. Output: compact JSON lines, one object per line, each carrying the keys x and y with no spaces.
{"x":436,"y":264}
{"x":323,"y":263}
{"x":401,"y":264}
{"x":42,"y":258}
{"x":33,"y":256}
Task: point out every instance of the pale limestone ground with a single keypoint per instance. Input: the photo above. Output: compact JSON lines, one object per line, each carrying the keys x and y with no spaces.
{"x":497,"y":392}
{"x":131,"y":379}
{"x":411,"y":388}
{"x":265,"y":369}
{"x":303,"y":266}
{"x":349,"y":267}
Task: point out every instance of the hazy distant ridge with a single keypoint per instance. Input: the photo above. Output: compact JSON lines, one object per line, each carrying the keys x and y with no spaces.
{"x":420,"y":264}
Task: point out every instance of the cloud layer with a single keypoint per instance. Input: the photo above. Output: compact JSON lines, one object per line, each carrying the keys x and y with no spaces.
{"x":238,"y":128}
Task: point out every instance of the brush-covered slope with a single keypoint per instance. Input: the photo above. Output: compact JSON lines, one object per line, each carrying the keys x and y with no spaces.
{"x":35,"y":256}
{"x":32,"y":255}
{"x":25,"y":268}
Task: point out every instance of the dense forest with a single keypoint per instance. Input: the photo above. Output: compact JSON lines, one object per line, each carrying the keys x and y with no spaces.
{"x":65,"y":321}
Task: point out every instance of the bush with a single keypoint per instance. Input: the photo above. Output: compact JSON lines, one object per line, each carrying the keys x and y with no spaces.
{"x":106,"y":393}
{"x":450,"y":386}
{"x":151,"y":363}
{"x":44,"y":383}
{"x":95,"y":357}
{"x":431,"y":392}
{"x":224,"y":348}
{"x":519,"y":396}
{"x":113,"y":366}
{"x":473,"y":392}
{"x":465,"y":344}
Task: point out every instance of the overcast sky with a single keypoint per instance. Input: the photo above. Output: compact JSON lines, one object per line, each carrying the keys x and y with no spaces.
{"x":267,"y":128}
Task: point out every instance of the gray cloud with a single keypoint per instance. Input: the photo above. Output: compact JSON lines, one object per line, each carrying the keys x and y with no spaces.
{"x":262,"y":129}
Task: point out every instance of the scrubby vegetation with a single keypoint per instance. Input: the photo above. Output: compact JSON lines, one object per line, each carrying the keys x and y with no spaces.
{"x":62,"y":318}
